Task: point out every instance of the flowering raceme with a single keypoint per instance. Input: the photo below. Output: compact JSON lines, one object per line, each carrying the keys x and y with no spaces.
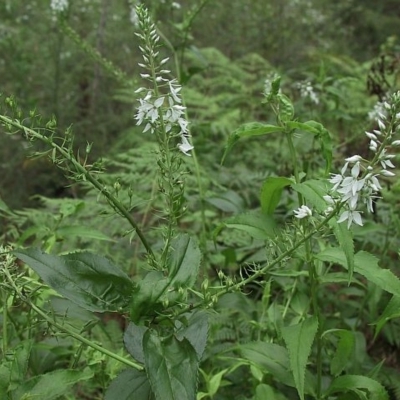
{"x":160,"y":112}
{"x":358,"y":181}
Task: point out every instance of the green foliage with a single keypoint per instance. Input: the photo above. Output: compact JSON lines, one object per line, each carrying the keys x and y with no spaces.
{"x":162,"y":275}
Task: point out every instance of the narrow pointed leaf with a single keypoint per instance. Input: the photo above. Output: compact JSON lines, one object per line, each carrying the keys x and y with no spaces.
{"x":299,"y":339}
{"x":343,"y":351}
{"x":392,"y":310}
{"x":344,"y":236}
{"x":367,"y":265}
{"x":348,"y":383}
{"x":87,"y":279}
{"x":172,"y":367}
{"x":248,"y":130}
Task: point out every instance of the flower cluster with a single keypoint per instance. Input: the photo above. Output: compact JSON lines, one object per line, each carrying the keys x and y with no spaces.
{"x":59,"y":5}
{"x":307,"y":91}
{"x":302,"y":212}
{"x":159,"y":112}
{"x":358,"y":181}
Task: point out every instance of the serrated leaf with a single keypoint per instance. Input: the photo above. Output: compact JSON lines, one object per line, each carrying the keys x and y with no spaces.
{"x":133,"y":340}
{"x":195,"y":330}
{"x":313,"y":191}
{"x":271,"y":192}
{"x":248,"y":130}
{"x":52,"y":385}
{"x":172,"y":367}
{"x":130,"y":384}
{"x":344,"y":236}
{"x":392,"y":310}
{"x":184,"y":261}
{"x":343,"y":351}
{"x":87,"y":279}
{"x":354,"y":382}
{"x":258,"y":226}
{"x":299,"y":339}
{"x":365,"y":264}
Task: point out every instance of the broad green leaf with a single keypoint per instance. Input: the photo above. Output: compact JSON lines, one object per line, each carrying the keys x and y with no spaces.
{"x":271,"y":358}
{"x":133,"y":340}
{"x":130,"y":384}
{"x":82,"y":232}
{"x":52,"y":385}
{"x":354,"y":382}
{"x":215,"y":382}
{"x":172,"y":367}
{"x":323,"y":136}
{"x":392,"y":310}
{"x":344,"y":236}
{"x":184,"y":261}
{"x":228,"y":201}
{"x":148,"y":292}
{"x":248,"y":130}
{"x":87,"y":279}
{"x":299,"y":339}
{"x":365,"y":264}
{"x":271,"y":192}
{"x":258,"y":226}
{"x":195,"y":330}
{"x":313,"y":191}
{"x":343,"y":352}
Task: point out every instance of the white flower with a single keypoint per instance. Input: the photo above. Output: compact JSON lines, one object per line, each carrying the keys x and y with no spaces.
{"x":302,"y":212}
{"x":185,"y":146}
{"x":351,"y":216}
{"x":59,"y":5}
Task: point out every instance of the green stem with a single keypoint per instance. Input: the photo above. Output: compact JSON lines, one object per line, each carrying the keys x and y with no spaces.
{"x":5,"y":321}
{"x":66,"y":330}
{"x":88,"y":176}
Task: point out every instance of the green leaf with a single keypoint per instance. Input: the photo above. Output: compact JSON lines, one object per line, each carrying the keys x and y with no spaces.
{"x":172,"y":367}
{"x":266,"y":392}
{"x":353,"y":382}
{"x":365,"y":264}
{"x":343,"y":352}
{"x":133,"y":340}
{"x":82,"y":232}
{"x":392,"y":310}
{"x":258,"y":226}
{"x":313,"y":191}
{"x":215,"y":382}
{"x":271,"y":192}
{"x":87,"y":279}
{"x":147,"y":293}
{"x":19,"y":364}
{"x":321,"y":134}
{"x":286,"y":109}
{"x":228,"y":201}
{"x":271,"y":358}
{"x":184,"y":261}
{"x":52,"y":385}
{"x":130,"y":384}
{"x":344,"y":236}
{"x":183,"y":264}
{"x":299,"y":339}
{"x":248,"y":130}
{"x":195,"y":330}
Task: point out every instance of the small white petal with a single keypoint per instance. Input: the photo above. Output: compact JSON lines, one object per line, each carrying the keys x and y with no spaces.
{"x":387,"y":173}
{"x":354,"y":159}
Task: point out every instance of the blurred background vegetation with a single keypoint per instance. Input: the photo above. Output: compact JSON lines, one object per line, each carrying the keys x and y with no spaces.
{"x":232,"y":47}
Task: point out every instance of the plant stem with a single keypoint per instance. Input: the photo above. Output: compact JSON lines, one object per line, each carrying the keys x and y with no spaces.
{"x":88,"y":176}
{"x":66,"y":330}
